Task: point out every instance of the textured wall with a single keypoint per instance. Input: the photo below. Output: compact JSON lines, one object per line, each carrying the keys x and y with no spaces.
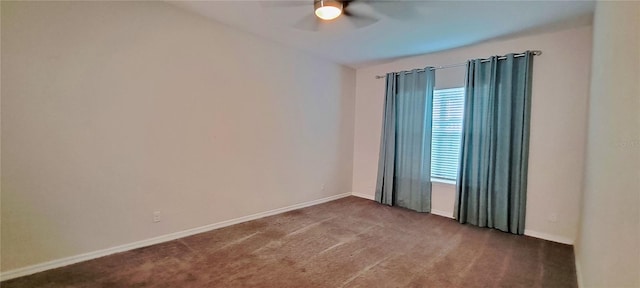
{"x":558,"y":123}
{"x":113,"y":110}
{"x":608,"y":249}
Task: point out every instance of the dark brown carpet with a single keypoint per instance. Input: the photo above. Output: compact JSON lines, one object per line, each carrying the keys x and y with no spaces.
{"x":349,"y":242}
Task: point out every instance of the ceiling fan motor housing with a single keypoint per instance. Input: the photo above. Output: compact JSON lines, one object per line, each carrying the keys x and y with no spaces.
{"x":333,"y":7}
{"x":323,"y":3}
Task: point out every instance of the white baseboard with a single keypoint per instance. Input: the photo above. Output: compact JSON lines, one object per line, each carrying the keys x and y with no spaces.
{"x":527,"y":232}
{"x":163,"y":238}
{"x":436,"y":212}
{"x":442,"y":213}
{"x":545,"y":236}
{"x":365,"y":196}
{"x":578,"y":269}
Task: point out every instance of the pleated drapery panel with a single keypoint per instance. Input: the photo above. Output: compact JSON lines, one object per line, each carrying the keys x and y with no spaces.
{"x":404,"y":176}
{"x":492,"y":179}
{"x":386,"y":161}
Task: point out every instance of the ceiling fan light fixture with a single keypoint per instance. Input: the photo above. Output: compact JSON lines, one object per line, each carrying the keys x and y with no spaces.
{"x":327,"y":9}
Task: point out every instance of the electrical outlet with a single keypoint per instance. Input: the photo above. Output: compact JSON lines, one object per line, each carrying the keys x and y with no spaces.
{"x":156,"y":216}
{"x":553,"y":217}
{"x":322,"y":187}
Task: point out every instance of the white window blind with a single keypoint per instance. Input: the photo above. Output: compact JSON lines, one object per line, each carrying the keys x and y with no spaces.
{"x":448,"y":108}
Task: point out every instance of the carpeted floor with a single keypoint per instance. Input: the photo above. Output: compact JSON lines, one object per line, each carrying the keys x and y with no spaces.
{"x":349,"y":242}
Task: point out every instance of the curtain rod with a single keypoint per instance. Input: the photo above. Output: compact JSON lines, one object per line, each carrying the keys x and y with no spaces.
{"x":535,"y":52}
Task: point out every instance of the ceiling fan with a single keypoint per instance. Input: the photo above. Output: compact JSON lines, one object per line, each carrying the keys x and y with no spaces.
{"x":327,"y":10}
{"x":331,"y":9}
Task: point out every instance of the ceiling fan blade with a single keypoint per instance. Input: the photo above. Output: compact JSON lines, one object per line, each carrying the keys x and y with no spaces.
{"x":362,"y":21}
{"x":359,"y":20}
{"x":308,"y":23}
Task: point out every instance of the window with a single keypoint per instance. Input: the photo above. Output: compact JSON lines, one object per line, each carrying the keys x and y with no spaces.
{"x":448,"y":107}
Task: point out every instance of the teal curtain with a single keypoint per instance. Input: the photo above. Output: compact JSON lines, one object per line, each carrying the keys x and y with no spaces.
{"x":492,"y":180}
{"x":404,"y":167}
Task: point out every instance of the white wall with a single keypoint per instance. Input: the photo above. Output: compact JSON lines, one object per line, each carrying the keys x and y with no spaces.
{"x":113,"y":110}
{"x":608,"y":249}
{"x":558,"y":124}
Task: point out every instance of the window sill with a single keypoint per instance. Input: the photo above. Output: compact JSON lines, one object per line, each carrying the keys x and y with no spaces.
{"x":443,"y":181}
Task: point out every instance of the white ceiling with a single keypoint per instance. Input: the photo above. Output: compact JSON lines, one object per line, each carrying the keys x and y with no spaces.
{"x":404,"y":27}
